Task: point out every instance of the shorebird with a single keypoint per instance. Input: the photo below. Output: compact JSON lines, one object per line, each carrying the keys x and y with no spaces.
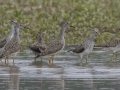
{"x":55,"y":45}
{"x":10,"y":35}
{"x":13,"y":45}
{"x":86,"y":47}
{"x":39,"y":43}
{"x":113,"y":46}
{"x":6,"y":39}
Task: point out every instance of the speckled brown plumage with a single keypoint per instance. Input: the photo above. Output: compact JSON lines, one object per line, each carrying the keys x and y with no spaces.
{"x":6,"y":39}
{"x":13,"y":45}
{"x":39,"y":44}
{"x":112,"y":43}
{"x":55,"y":45}
{"x":113,"y":46}
{"x":3,"y":42}
{"x":77,"y":49}
{"x":86,"y":47}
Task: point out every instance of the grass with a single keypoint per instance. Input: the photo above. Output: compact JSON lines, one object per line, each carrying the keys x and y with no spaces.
{"x":45,"y":15}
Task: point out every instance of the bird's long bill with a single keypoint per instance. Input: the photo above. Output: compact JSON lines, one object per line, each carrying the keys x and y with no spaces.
{"x":69,"y":30}
{"x":98,"y":33}
{"x":14,"y":21}
{"x":25,"y":27}
{"x":72,"y":26}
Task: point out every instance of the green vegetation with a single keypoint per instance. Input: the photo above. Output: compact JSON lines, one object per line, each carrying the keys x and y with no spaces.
{"x":45,"y":15}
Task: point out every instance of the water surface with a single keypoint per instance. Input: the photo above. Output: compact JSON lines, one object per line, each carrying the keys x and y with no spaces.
{"x":65,"y":74}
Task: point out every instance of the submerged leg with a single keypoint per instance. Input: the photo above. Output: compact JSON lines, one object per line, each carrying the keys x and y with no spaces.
{"x":13,"y":60}
{"x":1,"y":60}
{"x":81,"y":56}
{"x":6,"y":59}
{"x":36,"y":56}
{"x":14,"y":57}
{"x":111,"y":59}
{"x":41,"y":58}
{"x":34,"y":59}
{"x":87,"y":59}
{"x":116,"y":56}
{"x":51,"y":58}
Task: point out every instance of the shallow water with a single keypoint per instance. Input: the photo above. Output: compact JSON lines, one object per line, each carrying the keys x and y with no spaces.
{"x":65,"y":74}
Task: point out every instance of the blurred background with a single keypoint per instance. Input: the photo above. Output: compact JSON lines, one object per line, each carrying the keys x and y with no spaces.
{"x":45,"y":15}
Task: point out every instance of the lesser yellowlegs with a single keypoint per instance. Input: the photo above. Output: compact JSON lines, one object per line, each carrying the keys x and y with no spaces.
{"x":113,"y":46}
{"x":13,"y":45}
{"x":10,"y":35}
{"x":39,"y":43}
{"x":55,"y":45}
{"x":86,"y":47}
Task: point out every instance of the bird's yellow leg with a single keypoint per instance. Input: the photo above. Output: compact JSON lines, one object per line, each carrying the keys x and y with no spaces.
{"x":116,"y":56}
{"x":6,"y":59}
{"x":49,"y":60}
{"x":80,"y":60}
{"x":13,"y":60}
{"x":111,"y":57}
{"x":1,"y":60}
{"x":81,"y":56}
{"x":87,"y":59}
{"x":41,"y":58}
{"x":52,"y":57}
{"x":35,"y":59}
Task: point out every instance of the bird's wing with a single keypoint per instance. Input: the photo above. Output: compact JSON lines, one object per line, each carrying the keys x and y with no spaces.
{"x":11,"y":47}
{"x":34,"y":48}
{"x":118,"y":46}
{"x":40,"y":45}
{"x":112,"y":43}
{"x":79,"y":49}
{"x":3,"y":42}
{"x":53,"y":47}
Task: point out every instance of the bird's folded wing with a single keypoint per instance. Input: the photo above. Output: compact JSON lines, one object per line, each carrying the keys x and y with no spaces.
{"x":3,"y":42}
{"x":79,"y":49}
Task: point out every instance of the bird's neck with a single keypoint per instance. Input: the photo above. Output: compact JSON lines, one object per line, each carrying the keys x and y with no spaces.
{"x":62,"y":31}
{"x":91,"y":37}
{"x":16,"y":33}
{"x":11,"y":33}
{"x":39,"y":39}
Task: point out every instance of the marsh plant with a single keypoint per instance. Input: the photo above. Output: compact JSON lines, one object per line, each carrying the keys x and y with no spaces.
{"x":45,"y":15}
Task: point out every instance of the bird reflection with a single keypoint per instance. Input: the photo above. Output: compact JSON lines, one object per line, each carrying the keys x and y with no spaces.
{"x":13,"y":79}
{"x":43,"y":64}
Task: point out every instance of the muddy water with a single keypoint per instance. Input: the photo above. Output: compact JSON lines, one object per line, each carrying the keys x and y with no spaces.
{"x":65,"y":74}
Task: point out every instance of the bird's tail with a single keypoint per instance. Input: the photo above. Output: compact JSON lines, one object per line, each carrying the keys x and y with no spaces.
{"x":71,"y":49}
{"x":101,"y":45}
{"x":37,"y":56}
{"x":33,"y":48}
{"x":28,"y":46}
{"x":1,"y":56}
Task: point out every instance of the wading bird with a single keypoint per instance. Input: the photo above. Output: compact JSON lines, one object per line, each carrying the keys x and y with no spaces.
{"x":86,"y":47}
{"x":55,"y":45}
{"x":39,"y":43}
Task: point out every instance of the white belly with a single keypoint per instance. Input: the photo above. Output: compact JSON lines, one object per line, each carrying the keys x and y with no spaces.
{"x":89,"y":49}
